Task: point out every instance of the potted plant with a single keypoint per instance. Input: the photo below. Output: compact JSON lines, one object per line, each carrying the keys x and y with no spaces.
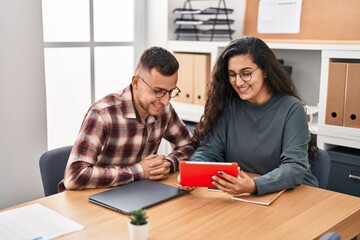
{"x":138,"y":225}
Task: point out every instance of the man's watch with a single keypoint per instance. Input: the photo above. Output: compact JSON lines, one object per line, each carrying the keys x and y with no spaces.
{"x":171,"y":166}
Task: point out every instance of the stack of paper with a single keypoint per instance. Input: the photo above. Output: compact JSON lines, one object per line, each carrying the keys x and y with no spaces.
{"x":35,"y":222}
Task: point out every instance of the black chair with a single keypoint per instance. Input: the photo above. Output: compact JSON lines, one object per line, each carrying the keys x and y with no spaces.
{"x":321,"y":168}
{"x":52,"y":167}
{"x":330,"y":236}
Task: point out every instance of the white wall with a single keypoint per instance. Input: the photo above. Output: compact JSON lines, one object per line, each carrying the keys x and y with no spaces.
{"x":157,"y":23}
{"x":306,"y":72}
{"x":22,"y":101}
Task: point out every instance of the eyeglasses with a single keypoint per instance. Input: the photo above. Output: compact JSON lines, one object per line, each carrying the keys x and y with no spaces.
{"x":160,"y":92}
{"x":246,"y":76}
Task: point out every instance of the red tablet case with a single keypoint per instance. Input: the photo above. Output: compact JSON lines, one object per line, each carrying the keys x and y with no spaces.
{"x":198,"y":174}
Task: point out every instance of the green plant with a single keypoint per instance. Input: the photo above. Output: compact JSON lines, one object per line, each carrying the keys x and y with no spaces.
{"x":138,"y":217}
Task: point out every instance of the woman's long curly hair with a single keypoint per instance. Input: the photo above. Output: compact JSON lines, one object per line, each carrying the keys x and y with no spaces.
{"x":220,"y":91}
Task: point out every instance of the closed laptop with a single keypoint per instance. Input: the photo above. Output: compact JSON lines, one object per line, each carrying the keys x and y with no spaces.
{"x":143,"y":193}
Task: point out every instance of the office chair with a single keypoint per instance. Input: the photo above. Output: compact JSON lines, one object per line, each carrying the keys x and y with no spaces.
{"x":321,"y":168}
{"x":330,"y":236}
{"x":52,"y":166}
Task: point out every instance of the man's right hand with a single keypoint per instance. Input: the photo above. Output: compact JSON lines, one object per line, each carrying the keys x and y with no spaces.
{"x":155,"y":167}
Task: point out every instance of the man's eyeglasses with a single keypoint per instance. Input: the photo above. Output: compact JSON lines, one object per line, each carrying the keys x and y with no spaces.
{"x":246,"y":75}
{"x":160,"y":92}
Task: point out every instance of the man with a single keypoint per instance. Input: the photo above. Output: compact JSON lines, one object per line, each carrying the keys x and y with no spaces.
{"x":121,"y":133}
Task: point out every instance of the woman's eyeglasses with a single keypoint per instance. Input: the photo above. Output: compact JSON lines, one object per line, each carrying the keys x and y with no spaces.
{"x":246,"y":76}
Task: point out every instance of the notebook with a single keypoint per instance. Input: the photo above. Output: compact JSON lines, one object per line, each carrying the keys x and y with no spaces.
{"x":266,"y":199}
{"x":143,"y":193}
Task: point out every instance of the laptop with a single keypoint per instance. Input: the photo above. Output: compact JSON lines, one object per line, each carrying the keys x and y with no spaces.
{"x":142,"y":193}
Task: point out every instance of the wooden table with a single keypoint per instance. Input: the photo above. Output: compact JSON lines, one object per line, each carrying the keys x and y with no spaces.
{"x":302,"y":213}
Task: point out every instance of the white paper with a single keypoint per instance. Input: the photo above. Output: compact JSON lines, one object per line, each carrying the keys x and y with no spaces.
{"x":279,"y":16}
{"x":35,"y":222}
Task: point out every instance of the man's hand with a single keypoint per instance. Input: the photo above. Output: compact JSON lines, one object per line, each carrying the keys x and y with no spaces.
{"x":155,"y":167}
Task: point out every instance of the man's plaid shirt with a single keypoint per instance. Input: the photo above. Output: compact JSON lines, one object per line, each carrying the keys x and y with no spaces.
{"x":112,"y":141}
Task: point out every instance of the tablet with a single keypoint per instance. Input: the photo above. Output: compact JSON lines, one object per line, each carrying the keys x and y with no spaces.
{"x":198,"y":174}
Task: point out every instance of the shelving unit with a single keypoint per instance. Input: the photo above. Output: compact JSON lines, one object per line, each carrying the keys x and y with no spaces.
{"x":198,"y":28}
{"x":332,"y":135}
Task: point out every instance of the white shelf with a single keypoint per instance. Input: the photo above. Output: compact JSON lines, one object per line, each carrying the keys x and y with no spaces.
{"x":312,"y":45}
{"x":206,"y":47}
{"x":195,"y":44}
{"x":337,"y":135}
{"x":212,"y":48}
{"x":329,"y":134}
{"x":188,"y":112}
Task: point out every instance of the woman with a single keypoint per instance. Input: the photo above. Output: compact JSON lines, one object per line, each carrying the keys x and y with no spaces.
{"x":254,"y":116}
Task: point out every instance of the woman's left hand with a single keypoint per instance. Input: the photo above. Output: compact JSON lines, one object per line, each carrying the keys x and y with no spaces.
{"x":234,"y":185}
{"x":186,"y":188}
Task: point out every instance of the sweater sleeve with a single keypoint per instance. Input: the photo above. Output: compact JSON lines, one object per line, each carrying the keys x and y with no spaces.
{"x":294,"y":159}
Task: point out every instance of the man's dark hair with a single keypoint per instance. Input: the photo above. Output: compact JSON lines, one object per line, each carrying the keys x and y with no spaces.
{"x":160,"y":59}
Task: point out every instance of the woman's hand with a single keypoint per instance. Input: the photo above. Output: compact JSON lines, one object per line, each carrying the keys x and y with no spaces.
{"x":234,"y":185}
{"x":186,"y":188}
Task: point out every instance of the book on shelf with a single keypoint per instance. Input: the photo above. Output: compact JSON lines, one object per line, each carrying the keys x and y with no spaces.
{"x":266,"y":199}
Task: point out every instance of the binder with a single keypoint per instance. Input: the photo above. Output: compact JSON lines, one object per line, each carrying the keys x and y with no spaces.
{"x":201,"y":77}
{"x":185,"y":77}
{"x":352,"y":103}
{"x":193,"y":77}
{"x":335,"y":94}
